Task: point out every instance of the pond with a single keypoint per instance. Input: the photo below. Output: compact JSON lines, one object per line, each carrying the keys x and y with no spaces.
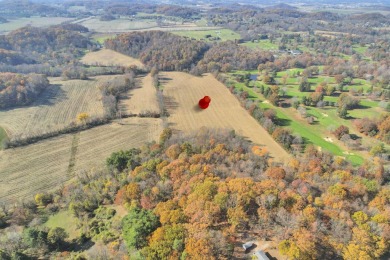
{"x":253,"y":77}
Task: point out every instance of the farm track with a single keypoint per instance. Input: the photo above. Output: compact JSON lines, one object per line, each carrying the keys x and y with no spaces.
{"x":73,"y":152}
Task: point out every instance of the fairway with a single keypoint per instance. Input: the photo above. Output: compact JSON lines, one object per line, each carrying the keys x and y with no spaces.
{"x":106,"y":57}
{"x":182,"y":92}
{"x":48,"y":164}
{"x":56,"y":108}
{"x":140,"y":100}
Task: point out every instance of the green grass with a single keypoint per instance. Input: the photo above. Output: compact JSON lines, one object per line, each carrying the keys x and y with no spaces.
{"x":224,"y":34}
{"x":101,"y":38}
{"x":262,"y":44}
{"x":312,"y":134}
{"x":360,"y":49}
{"x":65,"y":220}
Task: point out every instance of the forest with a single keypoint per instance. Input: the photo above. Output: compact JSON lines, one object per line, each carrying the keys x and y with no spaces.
{"x":191,"y":195}
{"x":18,"y":89}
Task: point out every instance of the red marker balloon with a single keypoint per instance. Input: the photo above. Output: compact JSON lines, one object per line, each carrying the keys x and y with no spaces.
{"x":204,"y":102}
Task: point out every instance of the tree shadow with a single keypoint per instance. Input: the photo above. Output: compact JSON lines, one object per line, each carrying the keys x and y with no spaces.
{"x":360,"y":106}
{"x":282,"y":122}
{"x":77,"y":246}
{"x":249,"y":249}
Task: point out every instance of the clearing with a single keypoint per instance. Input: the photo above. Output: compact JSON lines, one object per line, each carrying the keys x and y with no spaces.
{"x":65,"y":220}
{"x":222,"y":34}
{"x":46,"y":165}
{"x":106,"y":57}
{"x":182,"y":92}
{"x":56,"y":108}
{"x":140,"y":100}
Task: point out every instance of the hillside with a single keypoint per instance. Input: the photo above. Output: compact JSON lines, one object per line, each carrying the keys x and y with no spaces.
{"x":182,"y":92}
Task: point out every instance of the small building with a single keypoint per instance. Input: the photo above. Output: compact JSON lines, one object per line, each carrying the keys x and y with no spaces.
{"x":247,"y":245}
{"x":260,"y":255}
{"x":295,"y":52}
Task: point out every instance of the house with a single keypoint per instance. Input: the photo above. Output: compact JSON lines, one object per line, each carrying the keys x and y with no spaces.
{"x":295,"y":52}
{"x":260,"y":255}
{"x":247,"y":245}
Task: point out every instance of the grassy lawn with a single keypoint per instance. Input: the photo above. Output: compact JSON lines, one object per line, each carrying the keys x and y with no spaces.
{"x":65,"y":220}
{"x":262,"y":44}
{"x":224,"y":34}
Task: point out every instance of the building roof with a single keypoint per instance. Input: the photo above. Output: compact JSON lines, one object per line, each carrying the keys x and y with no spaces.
{"x":261,"y":255}
{"x":247,"y":245}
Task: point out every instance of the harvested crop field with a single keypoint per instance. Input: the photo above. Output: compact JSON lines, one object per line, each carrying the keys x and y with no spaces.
{"x":141,"y":99}
{"x":48,"y":164}
{"x":56,"y":108}
{"x":106,"y":57}
{"x":182,"y":92}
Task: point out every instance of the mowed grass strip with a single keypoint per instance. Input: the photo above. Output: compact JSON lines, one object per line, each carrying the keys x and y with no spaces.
{"x":182,"y":92}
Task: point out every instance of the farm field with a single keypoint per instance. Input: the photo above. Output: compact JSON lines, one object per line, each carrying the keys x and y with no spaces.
{"x":14,"y":24}
{"x":141,"y":99}
{"x":56,"y":108}
{"x":106,"y":57}
{"x":46,"y":165}
{"x":223,"y":34}
{"x":118,"y":25}
{"x":127,"y":25}
{"x":182,"y":92}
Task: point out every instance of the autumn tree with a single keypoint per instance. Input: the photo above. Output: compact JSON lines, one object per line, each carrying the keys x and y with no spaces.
{"x":82,"y":117}
{"x":340,"y":131}
{"x":56,"y":236}
{"x":137,"y":225}
{"x":124,"y":159}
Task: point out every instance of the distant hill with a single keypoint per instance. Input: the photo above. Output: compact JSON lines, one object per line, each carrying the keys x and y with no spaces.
{"x":20,"y":8}
{"x":282,"y":6}
{"x":3,"y":20}
{"x":42,"y":39}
